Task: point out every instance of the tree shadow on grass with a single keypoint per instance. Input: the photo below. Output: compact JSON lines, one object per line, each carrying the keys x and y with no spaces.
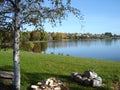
{"x":6,"y":68}
{"x":29,"y":79}
{"x":33,"y":78}
{"x":79,"y":86}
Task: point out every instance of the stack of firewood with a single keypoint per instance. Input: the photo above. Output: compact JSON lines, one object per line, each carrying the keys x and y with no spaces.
{"x":50,"y":84}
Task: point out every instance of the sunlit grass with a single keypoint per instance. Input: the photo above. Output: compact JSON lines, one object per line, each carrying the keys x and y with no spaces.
{"x":36,"y":67}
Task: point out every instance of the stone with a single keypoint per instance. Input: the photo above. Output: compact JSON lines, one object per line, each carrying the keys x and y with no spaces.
{"x":89,"y":78}
{"x":77,"y":77}
{"x":97,"y":82}
{"x":74,"y":74}
{"x":84,"y":78}
{"x":90,"y":74}
{"x":86,"y":81}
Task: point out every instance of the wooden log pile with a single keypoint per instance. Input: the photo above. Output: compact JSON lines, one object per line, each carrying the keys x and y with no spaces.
{"x":50,"y":84}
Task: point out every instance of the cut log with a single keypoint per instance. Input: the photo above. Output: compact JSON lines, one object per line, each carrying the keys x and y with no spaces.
{"x":6,"y":75}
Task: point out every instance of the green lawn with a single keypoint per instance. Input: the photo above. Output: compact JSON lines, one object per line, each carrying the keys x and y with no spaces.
{"x":36,"y":67}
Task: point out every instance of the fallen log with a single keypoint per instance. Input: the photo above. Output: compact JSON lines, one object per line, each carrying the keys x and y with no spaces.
{"x":6,"y":75}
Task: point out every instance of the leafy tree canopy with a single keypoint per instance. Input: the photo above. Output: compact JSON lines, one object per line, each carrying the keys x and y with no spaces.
{"x":35,"y":12}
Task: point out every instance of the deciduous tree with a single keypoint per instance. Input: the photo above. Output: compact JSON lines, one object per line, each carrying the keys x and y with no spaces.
{"x":15,"y":14}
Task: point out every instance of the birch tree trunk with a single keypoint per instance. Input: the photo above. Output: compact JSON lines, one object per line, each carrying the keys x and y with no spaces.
{"x":16,"y":57}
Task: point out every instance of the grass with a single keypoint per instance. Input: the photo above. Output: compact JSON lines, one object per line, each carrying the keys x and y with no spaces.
{"x":36,"y":67}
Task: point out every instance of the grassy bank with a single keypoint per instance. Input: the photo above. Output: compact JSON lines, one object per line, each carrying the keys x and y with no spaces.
{"x":36,"y":67}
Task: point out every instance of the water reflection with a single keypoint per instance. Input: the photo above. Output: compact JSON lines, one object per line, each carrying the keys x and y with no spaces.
{"x":77,"y":43}
{"x":100,"y":49}
{"x":71,"y":43}
{"x":37,"y":47}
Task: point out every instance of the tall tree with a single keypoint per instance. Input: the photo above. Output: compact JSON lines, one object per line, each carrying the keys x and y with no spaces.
{"x":35,"y":35}
{"x":15,"y":14}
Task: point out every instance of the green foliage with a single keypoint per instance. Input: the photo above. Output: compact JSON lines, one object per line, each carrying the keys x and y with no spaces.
{"x":31,"y":45}
{"x":38,"y":35}
{"x":37,"y":47}
{"x":109,"y":34}
{"x":35,"y":35}
{"x":36,"y":12}
{"x":58,"y":36}
{"x":43,"y":46}
{"x":44,"y":35}
{"x":6,"y":38}
{"x":36,"y":67}
{"x":27,"y":46}
{"x":25,"y":36}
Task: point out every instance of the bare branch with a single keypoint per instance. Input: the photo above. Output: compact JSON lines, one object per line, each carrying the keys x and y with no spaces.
{"x":8,"y":17}
{"x":12,"y":3}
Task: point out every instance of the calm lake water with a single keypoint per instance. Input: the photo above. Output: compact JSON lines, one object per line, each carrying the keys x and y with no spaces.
{"x":108,"y":49}
{"x":98,"y":49}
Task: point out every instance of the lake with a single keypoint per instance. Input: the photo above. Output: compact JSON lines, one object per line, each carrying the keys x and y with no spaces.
{"x":108,"y":49}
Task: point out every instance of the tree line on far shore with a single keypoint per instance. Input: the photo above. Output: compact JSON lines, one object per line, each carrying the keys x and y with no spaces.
{"x":6,"y":37}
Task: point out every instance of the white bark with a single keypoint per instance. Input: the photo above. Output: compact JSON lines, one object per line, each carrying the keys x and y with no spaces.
{"x":16,"y":61}
{"x":16,"y":57}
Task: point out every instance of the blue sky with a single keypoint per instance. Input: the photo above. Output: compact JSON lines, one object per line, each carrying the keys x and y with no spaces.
{"x":99,"y":16}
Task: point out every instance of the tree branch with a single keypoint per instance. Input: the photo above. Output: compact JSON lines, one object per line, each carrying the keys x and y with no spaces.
{"x":8,"y":17}
{"x":12,"y":3}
